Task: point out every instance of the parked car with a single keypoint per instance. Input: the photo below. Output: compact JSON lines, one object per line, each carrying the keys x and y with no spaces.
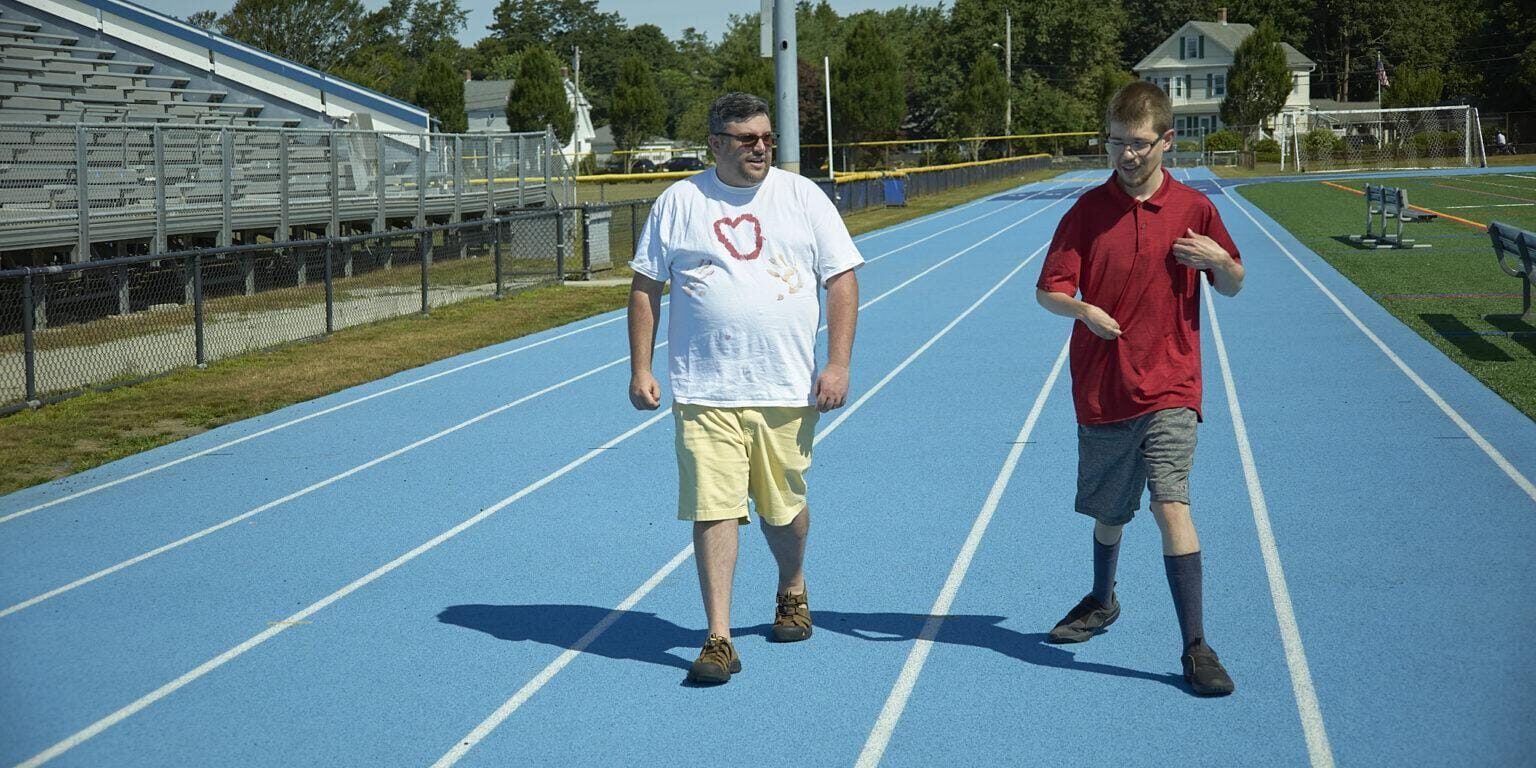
{"x":638,"y":165}
{"x":684,"y":164}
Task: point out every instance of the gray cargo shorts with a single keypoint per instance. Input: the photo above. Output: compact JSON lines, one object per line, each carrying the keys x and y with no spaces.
{"x":1114,"y":462}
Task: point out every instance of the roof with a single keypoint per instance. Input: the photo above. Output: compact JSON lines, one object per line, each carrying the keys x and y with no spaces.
{"x":481,"y":95}
{"x":1227,"y":36}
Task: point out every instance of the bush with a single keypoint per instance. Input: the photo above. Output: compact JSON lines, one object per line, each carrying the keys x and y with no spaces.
{"x":1441,"y":141}
{"x":1321,"y":141}
{"x":1224,"y":140}
{"x":1266,"y":151}
{"x":1187,"y":145}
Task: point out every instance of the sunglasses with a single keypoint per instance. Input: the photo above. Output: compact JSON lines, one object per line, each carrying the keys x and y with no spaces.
{"x":750,"y":139}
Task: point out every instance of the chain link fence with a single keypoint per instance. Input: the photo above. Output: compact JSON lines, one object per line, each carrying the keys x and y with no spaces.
{"x":609,"y":233}
{"x":858,"y":191}
{"x":65,"y":329}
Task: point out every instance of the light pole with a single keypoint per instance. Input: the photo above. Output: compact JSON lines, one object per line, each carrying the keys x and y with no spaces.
{"x":1007,"y":47}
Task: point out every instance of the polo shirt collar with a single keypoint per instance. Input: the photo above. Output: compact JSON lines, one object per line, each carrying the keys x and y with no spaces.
{"x":1127,"y":202}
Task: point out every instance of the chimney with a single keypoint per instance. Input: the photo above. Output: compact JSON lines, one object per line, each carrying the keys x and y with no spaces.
{"x":467,"y":77}
{"x":1221,"y":16}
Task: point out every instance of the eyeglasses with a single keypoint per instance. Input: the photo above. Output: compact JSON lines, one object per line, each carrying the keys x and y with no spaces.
{"x":750,"y":139}
{"x":1137,"y":147}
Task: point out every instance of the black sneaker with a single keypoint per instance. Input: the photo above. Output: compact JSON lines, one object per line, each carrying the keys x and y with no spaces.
{"x":1203,"y":671}
{"x":1087,"y":619}
{"x":716,"y":662}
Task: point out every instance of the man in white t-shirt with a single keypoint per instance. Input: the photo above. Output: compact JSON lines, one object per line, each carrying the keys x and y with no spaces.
{"x":747,"y":248}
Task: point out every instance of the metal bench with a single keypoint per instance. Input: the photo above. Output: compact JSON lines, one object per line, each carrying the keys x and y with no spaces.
{"x":1518,"y":246}
{"x":1388,"y":203}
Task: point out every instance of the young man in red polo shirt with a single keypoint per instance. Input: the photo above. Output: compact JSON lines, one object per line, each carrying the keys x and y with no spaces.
{"x":1134,"y":249}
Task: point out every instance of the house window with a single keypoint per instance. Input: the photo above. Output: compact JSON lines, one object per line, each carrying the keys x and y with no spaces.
{"x":1221,"y":85}
{"x":1295,"y":83}
{"x":1181,"y":48}
{"x":1208,"y":78}
{"x":1178,"y":86}
{"x":1202,"y":46}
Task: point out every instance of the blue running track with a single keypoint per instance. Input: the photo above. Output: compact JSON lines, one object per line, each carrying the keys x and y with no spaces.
{"x":477,"y":562}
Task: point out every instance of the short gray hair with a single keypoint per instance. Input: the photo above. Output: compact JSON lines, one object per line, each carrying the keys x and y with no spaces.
{"x":735,"y":107}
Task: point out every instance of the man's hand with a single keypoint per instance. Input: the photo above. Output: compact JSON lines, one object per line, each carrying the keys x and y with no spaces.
{"x":1197,"y":251}
{"x":644,"y":392}
{"x":1099,"y":321}
{"x":831,"y":387}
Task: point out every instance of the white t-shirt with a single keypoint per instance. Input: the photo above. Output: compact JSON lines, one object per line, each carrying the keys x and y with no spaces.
{"x":745,"y":265}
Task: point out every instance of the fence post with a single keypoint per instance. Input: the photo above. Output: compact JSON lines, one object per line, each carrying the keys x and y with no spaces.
{"x":28,"y":336}
{"x":159,"y":138}
{"x":560,"y":245}
{"x":330,"y":286}
{"x":197,"y":307}
{"x":496,"y":249}
{"x":586,"y":242}
{"x":426,"y":241}
{"x":83,"y":191}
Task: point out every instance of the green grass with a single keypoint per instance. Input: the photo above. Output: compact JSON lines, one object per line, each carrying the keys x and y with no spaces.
{"x":103,"y":426}
{"x":1443,"y":292}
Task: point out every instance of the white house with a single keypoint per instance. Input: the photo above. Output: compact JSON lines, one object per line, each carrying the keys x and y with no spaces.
{"x":485,"y":104}
{"x":1191,"y":67}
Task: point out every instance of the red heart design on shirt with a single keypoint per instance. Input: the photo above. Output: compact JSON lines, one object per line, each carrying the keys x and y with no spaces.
{"x":725,"y":239}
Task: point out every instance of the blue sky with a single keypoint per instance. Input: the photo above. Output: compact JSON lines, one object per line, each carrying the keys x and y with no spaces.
{"x":707,"y":16}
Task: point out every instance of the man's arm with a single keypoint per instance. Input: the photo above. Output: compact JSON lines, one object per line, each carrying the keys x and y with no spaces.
{"x":842,"y":318}
{"x":644,"y":308}
{"x":1097,"y":320}
{"x":1197,"y":251}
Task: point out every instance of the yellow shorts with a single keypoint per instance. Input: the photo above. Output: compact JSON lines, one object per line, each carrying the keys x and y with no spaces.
{"x":726,"y":454}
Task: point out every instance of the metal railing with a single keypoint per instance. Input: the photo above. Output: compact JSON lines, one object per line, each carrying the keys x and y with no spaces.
{"x":64,"y":329}
{"x":65,"y":189}
{"x":858,"y":191}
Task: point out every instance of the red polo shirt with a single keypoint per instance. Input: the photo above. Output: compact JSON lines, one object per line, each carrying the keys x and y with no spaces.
{"x":1119,"y":254}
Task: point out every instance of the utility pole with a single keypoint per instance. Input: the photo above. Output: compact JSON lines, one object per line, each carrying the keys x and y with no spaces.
{"x":1008,"y":69}
{"x":786,"y":85}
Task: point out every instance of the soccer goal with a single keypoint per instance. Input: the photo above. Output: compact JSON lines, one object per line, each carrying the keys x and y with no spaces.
{"x":1406,"y":137}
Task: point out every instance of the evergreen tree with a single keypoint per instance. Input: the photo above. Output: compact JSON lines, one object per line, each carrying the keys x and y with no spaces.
{"x":538,"y":96}
{"x":440,"y":91}
{"x":869,"y":99}
{"x":979,"y":106}
{"x":638,"y":111}
{"x":1259,"y":81}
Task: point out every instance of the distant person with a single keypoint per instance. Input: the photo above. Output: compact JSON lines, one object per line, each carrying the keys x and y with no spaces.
{"x":1134,"y":248}
{"x":1501,"y":144}
{"x":747,"y":248}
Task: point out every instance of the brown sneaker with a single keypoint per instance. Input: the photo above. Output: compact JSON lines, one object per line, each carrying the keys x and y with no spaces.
{"x":715,"y":663}
{"x":792,"y":622}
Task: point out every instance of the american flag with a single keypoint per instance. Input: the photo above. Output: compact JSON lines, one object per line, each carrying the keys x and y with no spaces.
{"x":1381,"y":73}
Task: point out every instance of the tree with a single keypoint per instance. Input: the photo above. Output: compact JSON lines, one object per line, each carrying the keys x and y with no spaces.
{"x":868,"y":96}
{"x":315,"y":33}
{"x":638,"y":111}
{"x":440,"y":91}
{"x":979,"y":106}
{"x":1259,"y":81}
{"x":538,"y":96}
{"x":561,"y":27}
{"x":1413,"y":86}
{"x":204,"y":19}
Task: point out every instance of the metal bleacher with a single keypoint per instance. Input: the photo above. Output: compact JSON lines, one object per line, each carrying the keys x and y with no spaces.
{"x":101,"y":147}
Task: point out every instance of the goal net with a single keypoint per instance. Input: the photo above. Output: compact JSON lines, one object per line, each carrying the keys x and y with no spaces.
{"x":1407,"y":137}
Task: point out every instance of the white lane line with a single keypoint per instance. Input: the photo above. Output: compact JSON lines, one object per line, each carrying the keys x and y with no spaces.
{"x":333,"y":409}
{"x":300,"y":420}
{"x":218,"y":661}
{"x":212,"y":664}
{"x":901,"y":692}
{"x":1518,"y":176}
{"x":496,"y":718}
{"x":103,"y":573}
{"x":1307,"y":706}
{"x":1490,"y":205}
{"x":1413,"y":376}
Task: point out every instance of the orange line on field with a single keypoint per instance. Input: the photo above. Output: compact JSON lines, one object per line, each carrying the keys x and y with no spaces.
{"x":1456,"y":219}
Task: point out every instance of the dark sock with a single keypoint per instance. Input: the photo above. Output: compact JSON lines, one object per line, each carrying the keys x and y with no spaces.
{"x":1105,"y":557}
{"x":1185,"y":582}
